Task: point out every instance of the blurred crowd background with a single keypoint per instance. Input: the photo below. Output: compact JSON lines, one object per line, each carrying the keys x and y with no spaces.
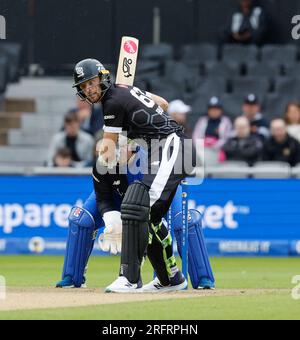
{"x":230,"y":70}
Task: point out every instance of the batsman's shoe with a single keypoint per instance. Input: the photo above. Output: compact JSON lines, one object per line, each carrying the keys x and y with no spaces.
{"x":206,"y":284}
{"x":177,"y":283}
{"x":122,"y":285}
{"x":67,"y":282}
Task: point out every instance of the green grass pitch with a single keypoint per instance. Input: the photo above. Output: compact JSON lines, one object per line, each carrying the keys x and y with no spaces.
{"x":250,"y":288}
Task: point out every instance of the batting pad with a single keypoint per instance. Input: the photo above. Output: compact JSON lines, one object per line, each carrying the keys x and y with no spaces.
{"x":81,"y":239}
{"x":198,"y":260}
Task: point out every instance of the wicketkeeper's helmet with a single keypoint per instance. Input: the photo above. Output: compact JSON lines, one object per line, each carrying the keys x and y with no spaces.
{"x":88,"y":69}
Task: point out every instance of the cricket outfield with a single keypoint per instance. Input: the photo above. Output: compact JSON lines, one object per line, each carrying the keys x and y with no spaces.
{"x":247,"y":288}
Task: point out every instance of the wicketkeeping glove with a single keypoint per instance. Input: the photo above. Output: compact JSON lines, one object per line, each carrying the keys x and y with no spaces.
{"x":111,"y":239}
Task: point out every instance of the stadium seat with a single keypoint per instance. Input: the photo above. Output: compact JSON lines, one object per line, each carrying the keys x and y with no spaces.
{"x":212,"y":86}
{"x":271,"y":170}
{"x":245,"y":85}
{"x":160,"y":52}
{"x":199,"y":53}
{"x":199,"y":104}
{"x":148,"y":67}
{"x":13,"y":53}
{"x":288,"y":86}
{"x":282,"y":54}
{"x":232,"y":104}
{"x":23,"y":155}
{"x":292,"y":69}
{"x":239,"y":53}
{"x":263,"y":69}
{"x":162,"y":86}
{"x":275,"y":105}
{"x":185,"y":76}
{"x":30,"y":137}
{"x":222,"y":69}
{"x":230,"y":169}
{"x":194,"y":117}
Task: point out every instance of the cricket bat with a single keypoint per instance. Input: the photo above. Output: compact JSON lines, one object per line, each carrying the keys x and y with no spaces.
{"x":127,"y":61}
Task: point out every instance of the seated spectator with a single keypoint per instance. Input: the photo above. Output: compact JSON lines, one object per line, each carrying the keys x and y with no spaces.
{"x":178,"y":111}
{"x":90,"y":117}
{"x":281,"y":147}
{"x":80,"y":143}
{"x":244,"y":146}
{"x":292,"y":119}
{"x":63,"y":158}
{"x":252,"y":110}
{"x":215,"y":127}
{"x":248,"y":25}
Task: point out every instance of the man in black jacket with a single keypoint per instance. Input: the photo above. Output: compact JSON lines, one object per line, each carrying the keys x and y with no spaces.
{"x":244,"y":146}
{"x":281,"y":147}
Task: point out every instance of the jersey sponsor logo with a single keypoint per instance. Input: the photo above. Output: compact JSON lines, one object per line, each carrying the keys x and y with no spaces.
{"x":130,"y":47}
{"x":117,"y":183}
{"x":109,"y":117}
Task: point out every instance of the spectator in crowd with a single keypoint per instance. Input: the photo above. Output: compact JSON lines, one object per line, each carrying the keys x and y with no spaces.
{"x":214,"y":128}
{"x":178,"y":111}
{"x":248,"y":25}
{"x":292,"y":119}
{"x":244,"y":146}
{"x":281,"y":147}
{"x":80,"y":143}
{"x":63,"y":158}
{"x":90,"y":117}
{"x":252,"y":111}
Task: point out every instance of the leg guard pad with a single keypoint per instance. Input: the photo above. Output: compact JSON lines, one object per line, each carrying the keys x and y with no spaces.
{"x":198,"y":260}
{"x":135,"y":214}
{"x":81,"y":239}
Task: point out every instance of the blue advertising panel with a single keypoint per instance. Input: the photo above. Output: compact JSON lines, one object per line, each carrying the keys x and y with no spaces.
{"x":34,"y":211}
{"x":249,"y":217}
{"x":240,"y":217}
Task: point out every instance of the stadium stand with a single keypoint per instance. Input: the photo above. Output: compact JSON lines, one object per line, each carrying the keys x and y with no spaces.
{"x":282,"y":54}
{"x":231,"y":169}
{"x":196,"y":54}
{"x":240,"y":53}
{"x":159,"y":52}
{"x":246,"y":85}
{"x":272,"y":170}
{"x":222,"y":69}
{"x":232,"y":104}
{"x":29,"y":133}
{"x":275,"y":105}
{"x":32,"y":110}
{"x":264,"y":69}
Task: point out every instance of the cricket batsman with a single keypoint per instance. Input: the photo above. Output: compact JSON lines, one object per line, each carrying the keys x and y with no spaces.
{"x":142,"y":115}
